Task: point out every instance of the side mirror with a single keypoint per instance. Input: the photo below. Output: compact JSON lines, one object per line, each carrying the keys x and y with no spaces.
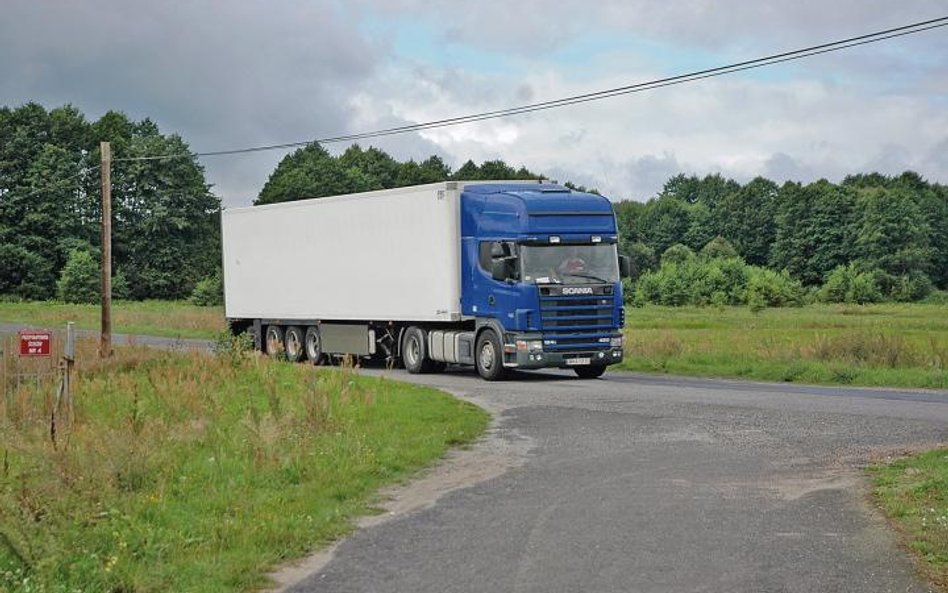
{"x":625,"y":268}
{"x":498,"y":269}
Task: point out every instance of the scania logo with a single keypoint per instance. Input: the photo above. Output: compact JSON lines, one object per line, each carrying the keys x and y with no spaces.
{"x":578,"y":290}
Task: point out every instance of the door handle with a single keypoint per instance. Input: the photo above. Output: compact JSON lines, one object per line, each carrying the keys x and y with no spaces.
{"x":491,"y":300}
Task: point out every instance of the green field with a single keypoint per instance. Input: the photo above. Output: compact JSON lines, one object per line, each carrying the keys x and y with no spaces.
{"x":183,"y":472}
{"x":897,"y":345}
{"x":913,"y":492}
{"x":173,"y":319}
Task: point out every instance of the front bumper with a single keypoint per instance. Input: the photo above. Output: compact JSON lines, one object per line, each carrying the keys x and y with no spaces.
{"x":564,"y":359}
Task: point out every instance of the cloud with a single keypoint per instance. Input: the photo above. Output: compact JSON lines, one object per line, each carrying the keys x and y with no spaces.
{"x":244,"y":76}
{"x":252,"y":73}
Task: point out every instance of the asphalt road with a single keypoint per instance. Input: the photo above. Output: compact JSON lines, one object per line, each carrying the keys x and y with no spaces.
{"x":640,"y":483}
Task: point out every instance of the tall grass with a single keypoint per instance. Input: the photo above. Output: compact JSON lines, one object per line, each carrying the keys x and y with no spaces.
{"x":898,"y":345}
{"x":182,"y":472}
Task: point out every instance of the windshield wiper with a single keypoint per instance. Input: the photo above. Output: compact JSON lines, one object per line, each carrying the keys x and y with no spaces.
{"x":589,"y":276}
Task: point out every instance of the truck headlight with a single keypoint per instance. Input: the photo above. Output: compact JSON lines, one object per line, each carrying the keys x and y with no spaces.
{"x":616,"y":342}
{"x":530,"y":345}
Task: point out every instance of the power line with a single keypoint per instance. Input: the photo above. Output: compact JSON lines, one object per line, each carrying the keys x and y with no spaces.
{"x":778,"y":58}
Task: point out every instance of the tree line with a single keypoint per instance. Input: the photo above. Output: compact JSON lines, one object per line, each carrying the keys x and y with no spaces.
{"x":887,"y":234}
{"x":166,"y":235}
{"x":869,"y":237}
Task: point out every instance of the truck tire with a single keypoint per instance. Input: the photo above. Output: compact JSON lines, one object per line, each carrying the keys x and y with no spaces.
{"x":415,"y":351}
{"x":273,"y":340}
{"x":590,"y":371}
{"x":489,"y":356}
{"x":313,"y":345}
{"x":293,"y":343}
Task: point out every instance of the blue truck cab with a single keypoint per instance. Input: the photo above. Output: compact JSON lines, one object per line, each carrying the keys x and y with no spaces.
{"x":541,"y":278}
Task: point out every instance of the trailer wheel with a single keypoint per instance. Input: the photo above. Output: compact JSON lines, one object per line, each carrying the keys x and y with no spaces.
{"x":590,"y":371}
{"x":415,"y":351}
{"x":293,"y":343}
{"x":273,"y":344}
{"x":313,"y":345}
{"x":489,"y":356}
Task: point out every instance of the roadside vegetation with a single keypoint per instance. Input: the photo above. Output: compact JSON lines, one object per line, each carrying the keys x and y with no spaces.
{"x":892,"y":345}
{"x":174,"y":319}
{"x":913,"y":492}
{"x":183,"y":472}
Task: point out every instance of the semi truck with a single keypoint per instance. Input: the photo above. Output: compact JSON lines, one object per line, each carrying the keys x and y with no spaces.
{"x":495,"y":275}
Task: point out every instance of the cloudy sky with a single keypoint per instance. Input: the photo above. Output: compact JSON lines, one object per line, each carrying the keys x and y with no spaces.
{"x":241,"y":73}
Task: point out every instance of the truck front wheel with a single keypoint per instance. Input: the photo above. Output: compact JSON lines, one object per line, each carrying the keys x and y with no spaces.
{"x":415,"y":351}
{"x":489,"y":356}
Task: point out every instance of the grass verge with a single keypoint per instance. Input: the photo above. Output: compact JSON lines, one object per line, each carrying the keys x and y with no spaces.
{"x":891,"y":345}
{"x":182,"y":472}
{"x":913,"y":492}
{"x":172,"y":319}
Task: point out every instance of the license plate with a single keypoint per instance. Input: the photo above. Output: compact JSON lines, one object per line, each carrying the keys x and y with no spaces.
{"x":572,"y":361}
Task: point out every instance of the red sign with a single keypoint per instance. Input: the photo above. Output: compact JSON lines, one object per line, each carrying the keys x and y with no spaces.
{"x":34,"y":343}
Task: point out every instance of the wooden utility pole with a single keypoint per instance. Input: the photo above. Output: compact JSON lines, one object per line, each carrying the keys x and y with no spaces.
{"x":105,"y":340}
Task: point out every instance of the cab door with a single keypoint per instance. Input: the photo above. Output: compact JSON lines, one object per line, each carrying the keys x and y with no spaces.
{"x":492,"y":297}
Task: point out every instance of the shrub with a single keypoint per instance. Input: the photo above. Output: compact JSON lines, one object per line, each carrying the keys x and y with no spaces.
{"x":937,"y":297}
{"x":80,"y":280}
{"x":913,"y":286}
{"x":766,"y":288}
{"x":846,"y":284}
{"x":120,"y":287}
{"x":863,"y":289}
{"x":836,"y":285}
{"x":210,"y":291}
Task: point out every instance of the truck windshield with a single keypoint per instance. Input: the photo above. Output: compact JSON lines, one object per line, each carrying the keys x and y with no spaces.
{"x":569,"y":264}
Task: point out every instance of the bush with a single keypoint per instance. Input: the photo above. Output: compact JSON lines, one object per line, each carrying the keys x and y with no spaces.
{"x":911,"y":287}
{"x":846,"y":284}
{"x":720,"y":281}
{"x":120,"y":287}
{"x":80,"y":280}
{"x":766,"y":288}
{"x":209,"y":292}
{"x":937,"y":297}
{"x":863,"y":289}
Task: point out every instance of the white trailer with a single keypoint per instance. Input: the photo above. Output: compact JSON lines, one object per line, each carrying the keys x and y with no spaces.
{"x":388,"y":255}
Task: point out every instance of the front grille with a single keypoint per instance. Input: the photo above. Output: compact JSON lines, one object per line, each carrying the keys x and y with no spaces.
{"x":576,"y":322}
